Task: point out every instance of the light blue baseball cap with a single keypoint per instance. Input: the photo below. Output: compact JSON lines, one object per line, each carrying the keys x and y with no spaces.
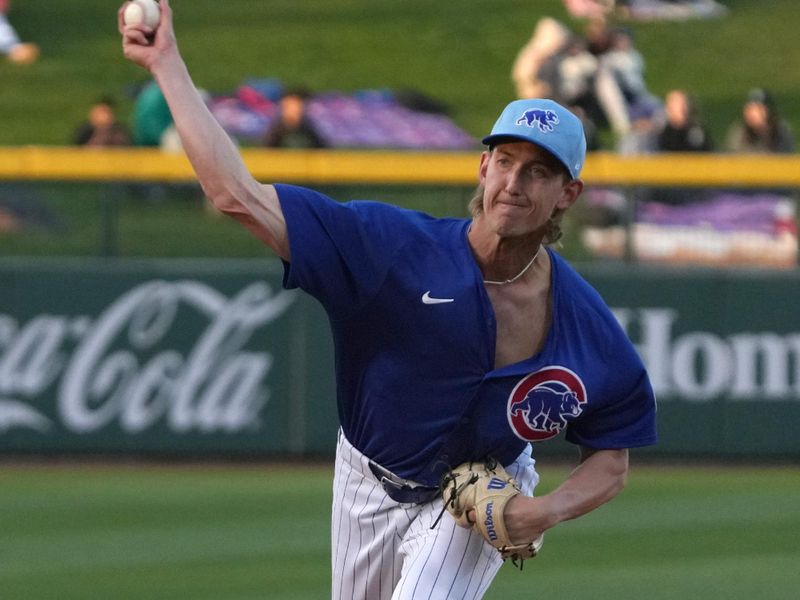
{"x":546,"y":124}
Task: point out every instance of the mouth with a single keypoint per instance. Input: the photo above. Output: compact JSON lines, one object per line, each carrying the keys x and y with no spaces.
{"x":512,"y":204}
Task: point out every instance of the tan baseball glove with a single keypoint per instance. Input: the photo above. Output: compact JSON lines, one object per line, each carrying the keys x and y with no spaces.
{"x":487,"y":488}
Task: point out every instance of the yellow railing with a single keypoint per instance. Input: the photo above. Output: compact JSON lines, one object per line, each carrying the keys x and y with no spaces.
{"x":390,"y":167}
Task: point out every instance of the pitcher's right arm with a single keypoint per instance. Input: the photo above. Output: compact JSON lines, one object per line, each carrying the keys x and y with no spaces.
{"x":214,"y":157}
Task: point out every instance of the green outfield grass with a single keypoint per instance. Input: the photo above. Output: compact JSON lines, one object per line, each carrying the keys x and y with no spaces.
{"x":246,"y":532}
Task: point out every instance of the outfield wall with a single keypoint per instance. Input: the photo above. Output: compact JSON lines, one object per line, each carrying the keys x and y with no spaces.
{"x":47,"y":163}
{"x":205,"y":358}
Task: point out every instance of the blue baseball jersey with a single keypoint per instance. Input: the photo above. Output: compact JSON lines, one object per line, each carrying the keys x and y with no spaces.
{"x":414,"y":335}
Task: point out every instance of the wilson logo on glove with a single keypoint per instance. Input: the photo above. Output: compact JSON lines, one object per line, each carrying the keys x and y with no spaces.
{"x":489,"y":522}
{"x":496,"y":484}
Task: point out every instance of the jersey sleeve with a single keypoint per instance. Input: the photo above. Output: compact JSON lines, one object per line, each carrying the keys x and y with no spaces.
{"x":627,"y":421}
{"x":340,"y":253}
{"x":621,"y":406}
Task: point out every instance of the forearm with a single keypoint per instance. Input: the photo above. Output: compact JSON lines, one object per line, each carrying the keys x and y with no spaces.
{"x":600,"y":476}
{"x":215,"y":158}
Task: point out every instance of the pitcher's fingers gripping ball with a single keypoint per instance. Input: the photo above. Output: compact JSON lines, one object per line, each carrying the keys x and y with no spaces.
{"x":486,"y":488}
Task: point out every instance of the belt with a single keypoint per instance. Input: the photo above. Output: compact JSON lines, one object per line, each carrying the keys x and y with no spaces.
{"x":402,"y":490}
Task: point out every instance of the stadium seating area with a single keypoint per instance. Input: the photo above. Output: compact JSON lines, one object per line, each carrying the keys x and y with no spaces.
{"x":366,"y":119}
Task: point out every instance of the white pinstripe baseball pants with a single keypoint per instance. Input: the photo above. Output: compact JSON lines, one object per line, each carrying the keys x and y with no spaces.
{"x":383,"y":550}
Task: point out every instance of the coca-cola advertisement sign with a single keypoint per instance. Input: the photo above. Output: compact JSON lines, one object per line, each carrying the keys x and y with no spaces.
{"x":215,"y":358}
{"x":175,"y":354}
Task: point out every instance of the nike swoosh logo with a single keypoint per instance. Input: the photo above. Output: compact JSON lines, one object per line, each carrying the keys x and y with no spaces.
{"x":426,"y":299}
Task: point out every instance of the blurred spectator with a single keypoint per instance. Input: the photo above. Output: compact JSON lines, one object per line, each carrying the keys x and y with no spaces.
{"x":533,"y":73}
{"x":17,"y":51}
{"x":620,"y":80}
{"x":602,"y":74}
{"x":153,"y":127}
{"x":603,"y":80}
{"x":576,"y":70}
{"x":683,"y":131}
{"x":598,"y":36}
{"x":761,"y":128}
{"x":292,"y":128}
{"x":647,"y":120}
{"x":102,"y":127}
{"x":151,"y":116}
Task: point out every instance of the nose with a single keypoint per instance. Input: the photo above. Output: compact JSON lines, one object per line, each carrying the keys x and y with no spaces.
{"x":515,"y":182}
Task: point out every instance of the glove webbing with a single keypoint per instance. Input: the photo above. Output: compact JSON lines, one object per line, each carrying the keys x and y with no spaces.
{"x":454,"y":493}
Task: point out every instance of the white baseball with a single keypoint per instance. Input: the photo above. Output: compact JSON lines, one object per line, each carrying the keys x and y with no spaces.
{"x":144,"y":12}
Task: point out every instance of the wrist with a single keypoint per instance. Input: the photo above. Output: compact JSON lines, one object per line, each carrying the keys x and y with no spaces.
{"x":527,"y":517}
{"x":167,"y":64}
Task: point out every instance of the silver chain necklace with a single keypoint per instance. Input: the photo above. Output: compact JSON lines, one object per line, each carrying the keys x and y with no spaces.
{"x":517,"y":276}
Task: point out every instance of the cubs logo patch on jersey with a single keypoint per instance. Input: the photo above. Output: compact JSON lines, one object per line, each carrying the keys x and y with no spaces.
{"x":541,"y":404}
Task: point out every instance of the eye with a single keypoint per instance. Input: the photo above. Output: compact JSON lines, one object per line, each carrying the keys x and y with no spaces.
{"x":538,"y":171}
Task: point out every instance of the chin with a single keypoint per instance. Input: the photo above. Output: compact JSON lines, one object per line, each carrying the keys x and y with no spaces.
{"x":513,"y":230}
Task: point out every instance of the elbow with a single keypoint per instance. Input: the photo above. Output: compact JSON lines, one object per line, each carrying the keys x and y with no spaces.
{"x":234,"y":194}
{"x":219,"y":196}
{"x":226,"y":199}
{"x":227,"y":205}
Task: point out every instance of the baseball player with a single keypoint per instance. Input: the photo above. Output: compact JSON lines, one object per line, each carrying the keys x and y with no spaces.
{"x":456,"y":340}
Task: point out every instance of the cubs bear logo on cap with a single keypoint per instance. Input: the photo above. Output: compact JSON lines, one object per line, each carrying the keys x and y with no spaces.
{"x":546,"y":124}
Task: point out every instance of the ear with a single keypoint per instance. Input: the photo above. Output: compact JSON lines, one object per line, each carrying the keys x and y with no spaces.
{"x":485,"y":156}
{"x":570,"y":194}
